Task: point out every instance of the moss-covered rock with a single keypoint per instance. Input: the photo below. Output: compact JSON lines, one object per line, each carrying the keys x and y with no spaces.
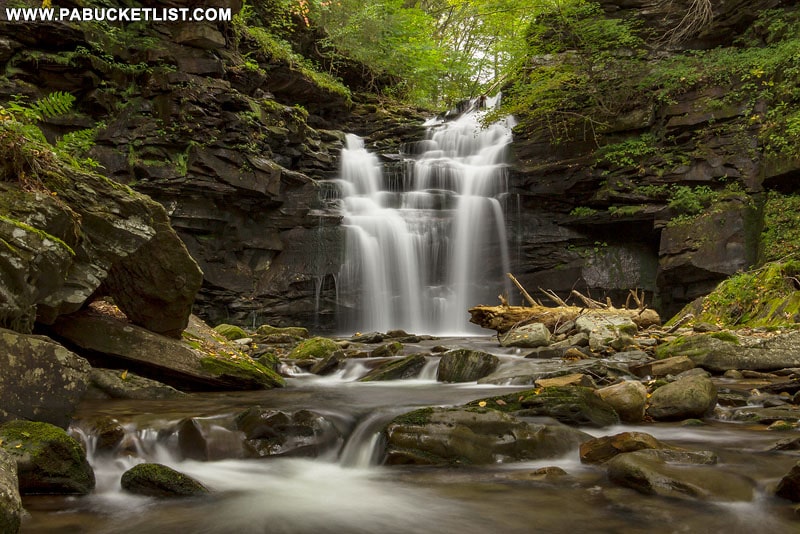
{"x":48,"y":460}
{"x":315,"y":347}
{"x":293,"y":331}
{"x":572,"y":405}
{"x":686,"y":398}
{"x":768,"y":296}
{"x":157,"y":480}
{"x":230,"y":332}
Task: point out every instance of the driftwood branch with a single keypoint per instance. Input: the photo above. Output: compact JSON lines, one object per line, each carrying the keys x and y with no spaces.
{"x":552,"y":296}
{"x":522,"y":289}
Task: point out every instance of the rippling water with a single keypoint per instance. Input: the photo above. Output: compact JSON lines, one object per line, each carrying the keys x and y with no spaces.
{"x":342,"y":493}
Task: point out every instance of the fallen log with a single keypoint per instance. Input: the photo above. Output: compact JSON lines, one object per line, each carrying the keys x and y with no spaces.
{"x":503,"y":318}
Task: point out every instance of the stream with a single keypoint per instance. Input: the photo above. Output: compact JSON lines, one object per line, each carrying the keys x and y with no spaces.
{"x":346,"y":489}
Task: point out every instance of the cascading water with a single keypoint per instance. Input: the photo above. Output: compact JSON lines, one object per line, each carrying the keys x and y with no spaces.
{"x":427,"y":242}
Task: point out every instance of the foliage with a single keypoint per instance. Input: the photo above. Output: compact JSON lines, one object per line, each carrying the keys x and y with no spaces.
{"x":781,"y":234}
{"x":582,"y":211}
{"x":631,"y":152}
{"x":691,"y":200}
{"x":49,"y":106}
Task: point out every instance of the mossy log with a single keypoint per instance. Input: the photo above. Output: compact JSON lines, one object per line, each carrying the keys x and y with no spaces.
{"x":503,"y":318}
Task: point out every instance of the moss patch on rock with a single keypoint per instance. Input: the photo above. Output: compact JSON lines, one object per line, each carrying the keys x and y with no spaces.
{"x":230,"y":332}
{"x":157,"y":480}
{"x":316,"y":347}
{"x":765,"y":297}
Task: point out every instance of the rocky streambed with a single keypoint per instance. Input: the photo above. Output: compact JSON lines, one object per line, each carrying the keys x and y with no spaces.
{"x":599,"y":427}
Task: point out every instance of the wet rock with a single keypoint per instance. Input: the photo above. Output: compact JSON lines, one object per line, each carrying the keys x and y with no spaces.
{"x":108,"y":432}
{"x":205,"y":440}
{"x":329,"y":364}
{"x":49,"y":461}
{"x":39,"y":379}
{"x":315,"y":347}
{"x":789,"y":485}
{"x":651,"y":473}
{"x":628,"y":398}
{"x":658,"y":368}
{"x":230,"y":332}
{"x":765,"y":416}
{"x":157,"y":480}
{"x":389,"y":349}
{"x":788,"y":444}
{"x":526,"y":336}
{"x":602,"y":449}
{"x":527,"y":372}
{"x":408,"y":367}
{"x":276,"y":433}
{"x":116,"y":384}
{"x":691,"y":397}
{"x":10,"y":501}
{"x":458,"y":436}
{"x":605,"y":330}
{"x":464,"y":365}
{"x":546,"y":353}
{"x":369,"y":337}
{"x":571,"y":405}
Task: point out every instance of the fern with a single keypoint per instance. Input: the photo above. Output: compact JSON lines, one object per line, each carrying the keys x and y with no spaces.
{"x":77,"y":143}
{"x":52,"y":105}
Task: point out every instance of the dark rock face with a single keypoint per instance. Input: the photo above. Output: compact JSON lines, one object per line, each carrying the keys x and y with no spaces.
{"x":39,"y":379}
{"x":464,"y":365}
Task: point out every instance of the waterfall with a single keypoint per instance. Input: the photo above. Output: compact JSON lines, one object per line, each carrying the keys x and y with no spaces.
{"x":425,"y":239}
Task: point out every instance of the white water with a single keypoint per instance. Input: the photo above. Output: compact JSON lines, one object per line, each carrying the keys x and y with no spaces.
{"x":427,"y":243}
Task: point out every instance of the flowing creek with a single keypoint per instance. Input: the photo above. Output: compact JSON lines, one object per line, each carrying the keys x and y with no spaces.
{"x":345,"y":489}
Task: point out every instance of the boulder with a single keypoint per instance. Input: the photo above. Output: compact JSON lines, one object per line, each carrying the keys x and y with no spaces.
{"x":206,"y":440}
{"x":107,"y":431}
{"x":315,"y":347}
{"x":526,"y":336}
{"x":10,"y":501}
{"x":687,"y":398}
{"x":270,"y":432}
{"x":116,"y":384}
{"x":605,"y":330}
{"x":408,"y":367}
{"x":79,"y":236}
{"x":293,"y":331}
{"x":648,"y":472}
{"x":328,"y":364}
{"x":718,"y":353}
{"x":573,"y":379}
{"x":527,"y":372}
{"x":39,"y":379}
{"x":464,"y":365}
{"x":48,"y":460}
{"x":388,"y":349}
{"x":230,"y":332}
{"x":658,"y":368}
{"x":789,"y":485}
{"x":200,"y":361}
{"x":628,"y":398}
{"x":157,"y":480}
{"x":459,"y":436}
{"x":572,"y":405}
{"x":602,"y":449}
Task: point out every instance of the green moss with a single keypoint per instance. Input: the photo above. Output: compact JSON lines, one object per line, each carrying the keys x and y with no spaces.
{"x":294,"y":331}
{"x":416,"y":418}
{"x":316,"y":347}
{"x":244,"y":368}
{"x":230,"y":332}
{"x":42,"y":234}
{"x":158,"y":480}
{"x":725,"y":336}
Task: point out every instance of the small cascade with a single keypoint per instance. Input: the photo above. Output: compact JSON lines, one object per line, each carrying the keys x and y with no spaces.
{"x":426,"y":238}
{"x":362,"y":448}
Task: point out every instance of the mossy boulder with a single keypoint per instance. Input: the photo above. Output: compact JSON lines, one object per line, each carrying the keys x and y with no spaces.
{"x":464,"y":365}
{"x":157,"y":480}
{"x":10,"y":501}
{"x":293,"y":331}
{"x":230,"y":332}
{"x":315,"y":347}
{"x":408,"y":367}
{"x":49,"y":461}
{"x":690,"y":397}
{"x":473,"y":435}
{"x":571,"y":405}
